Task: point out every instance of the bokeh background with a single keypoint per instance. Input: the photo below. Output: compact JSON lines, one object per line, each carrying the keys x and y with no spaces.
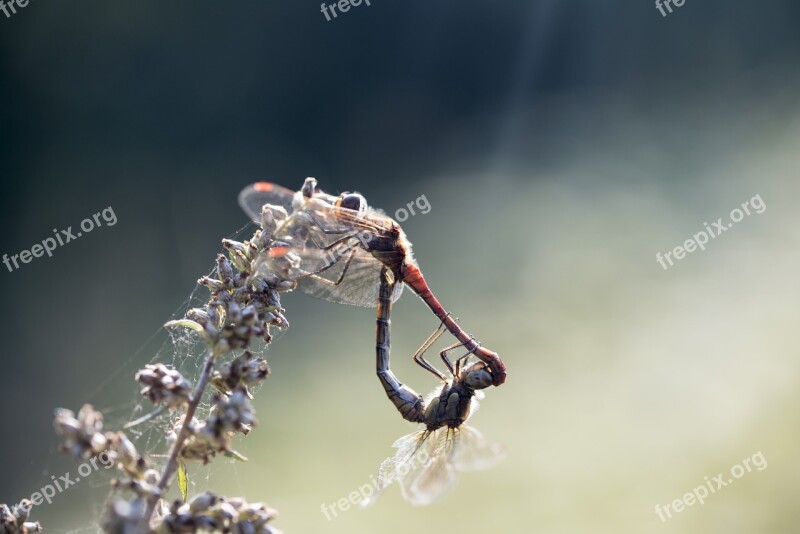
{"x":561,"y":145}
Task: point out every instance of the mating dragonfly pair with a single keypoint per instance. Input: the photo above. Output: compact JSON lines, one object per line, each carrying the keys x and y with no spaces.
{"x":340,"y":249}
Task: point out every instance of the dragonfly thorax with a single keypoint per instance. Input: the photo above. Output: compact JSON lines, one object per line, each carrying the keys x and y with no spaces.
{"x":390,"y":248}
{"x":452,"y":405}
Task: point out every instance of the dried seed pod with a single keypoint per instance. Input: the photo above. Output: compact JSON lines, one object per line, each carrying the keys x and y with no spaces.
{"x":224,"y":269}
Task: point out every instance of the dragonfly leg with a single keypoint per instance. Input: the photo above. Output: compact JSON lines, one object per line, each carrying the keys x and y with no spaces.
{"x":446,"y":359}
{"x":324,"y":280}
{"x":408,"y":402}
{"x":335,"y":243}
{"x":327,"y":231}
{"x":460,"y":360}
{"x":419,"y":356}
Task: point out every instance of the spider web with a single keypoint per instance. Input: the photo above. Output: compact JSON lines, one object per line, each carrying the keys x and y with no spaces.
{"x":180,"y":348}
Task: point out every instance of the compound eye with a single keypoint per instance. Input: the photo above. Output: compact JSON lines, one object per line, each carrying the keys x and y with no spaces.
{"x":352,"y":201}
{"x":477,"y":376}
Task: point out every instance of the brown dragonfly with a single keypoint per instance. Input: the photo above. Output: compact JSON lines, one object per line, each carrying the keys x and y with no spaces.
{"x":336,"y":247}
{"x":426,"y":461}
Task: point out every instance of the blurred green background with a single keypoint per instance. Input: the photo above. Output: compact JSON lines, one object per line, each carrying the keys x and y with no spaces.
{"x":561,"y":145}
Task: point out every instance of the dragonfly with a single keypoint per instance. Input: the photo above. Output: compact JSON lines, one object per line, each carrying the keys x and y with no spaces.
{"x":336,"y":247}
{"x":426,"y":461}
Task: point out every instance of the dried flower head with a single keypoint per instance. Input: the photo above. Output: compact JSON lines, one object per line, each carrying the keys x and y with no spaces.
{"x":243,"y":371}
{"x":242,"y":307}
{"x":164,"y":385}
{"x":14,"y":519}
{"x":200,"y":444}
{"x":82,"y":435}
{"x":210,"y":512}
{"x":123,"y":516}
{"x":232,"y":413}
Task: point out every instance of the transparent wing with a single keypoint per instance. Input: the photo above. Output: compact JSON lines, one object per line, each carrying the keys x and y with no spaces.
{"x":347,"y":275}
{"x":410,"y":458}
{"x":474,"y":452}
{"x":343,"y":273}
{"x":359,"y":286}
{"x":426,"y":462}
{"x":421,"y":466}
{"x":371,"y":220}
{"x":328,"y":257}
{"x":256,"y":195}
{"x":429,"y":483}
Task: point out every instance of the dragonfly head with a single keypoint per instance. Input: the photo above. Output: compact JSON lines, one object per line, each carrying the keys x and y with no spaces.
{"x":477,"y":376}
{"x":495,"y":364}
{"x":352,"y":201}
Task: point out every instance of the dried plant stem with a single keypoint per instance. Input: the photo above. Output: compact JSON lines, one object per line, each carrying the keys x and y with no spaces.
{"x":172,"y":461}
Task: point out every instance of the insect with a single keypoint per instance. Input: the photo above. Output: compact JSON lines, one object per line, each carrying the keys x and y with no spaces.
{"x":336,"y":248}
{"x":426,"y":462}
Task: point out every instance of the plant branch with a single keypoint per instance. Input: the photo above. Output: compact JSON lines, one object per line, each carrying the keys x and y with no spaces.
{"x":172,"y":461}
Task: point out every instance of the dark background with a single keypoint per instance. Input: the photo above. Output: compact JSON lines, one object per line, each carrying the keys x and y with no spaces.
{"x":165,"y":110}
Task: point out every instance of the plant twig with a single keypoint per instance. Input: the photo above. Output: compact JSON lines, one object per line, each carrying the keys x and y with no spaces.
{"x":172,"y":461}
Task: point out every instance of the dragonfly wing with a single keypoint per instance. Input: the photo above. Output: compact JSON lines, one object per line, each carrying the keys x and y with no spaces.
{"x":254,"y":196}
{"x":426,"y":462}
{"x":314,"y":225}
{"x":474,"y":452}
{"x":396,"y":468}
{"x":359,"y":286}
{"x":433,"y":478}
